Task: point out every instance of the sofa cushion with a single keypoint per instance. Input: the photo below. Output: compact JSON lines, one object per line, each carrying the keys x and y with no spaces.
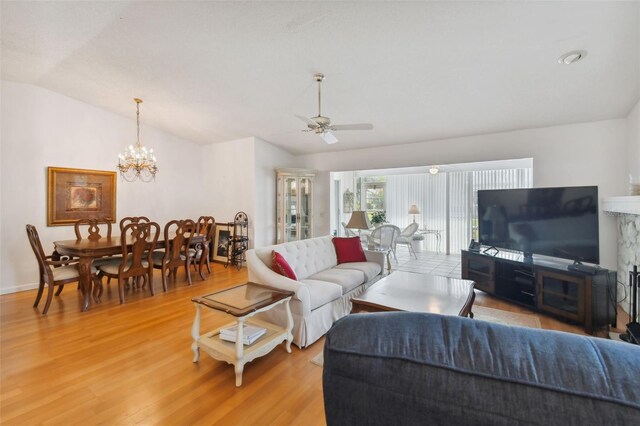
{"x":281,"y":266}
{"x":322,"y":292}
{"x":348,"y":249}
{"x":348,"y":279}
{"x":369,"y":269}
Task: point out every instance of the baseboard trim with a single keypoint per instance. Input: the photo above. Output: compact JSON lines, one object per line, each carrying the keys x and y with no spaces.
{"x":18,"y":288}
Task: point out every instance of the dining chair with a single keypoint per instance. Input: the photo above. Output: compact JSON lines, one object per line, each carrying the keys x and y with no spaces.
{"x":199,"y":249}
{"x":132,"y":219}
{"x":405,"y":237}
{"x":138,"y":241}
{"x":93,"y":228}
{"x":384,"y":238}
{"x":53,"y":272}
{"x":177,"y":240}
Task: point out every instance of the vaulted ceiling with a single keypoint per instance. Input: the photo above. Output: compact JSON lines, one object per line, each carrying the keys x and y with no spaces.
{"x":216,"y":71}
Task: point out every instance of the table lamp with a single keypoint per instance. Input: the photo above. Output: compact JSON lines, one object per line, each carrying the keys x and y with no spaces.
{"x":414,"y":211}
{"x":359,"y":220}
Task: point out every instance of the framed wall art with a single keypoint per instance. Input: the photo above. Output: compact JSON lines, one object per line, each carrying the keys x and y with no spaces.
{"x":221,"y":242}
{"x":80,"y":194}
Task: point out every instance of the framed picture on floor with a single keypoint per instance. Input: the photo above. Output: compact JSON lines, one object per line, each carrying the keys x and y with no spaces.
{"x":221,"y":242}
{"x":74,"y":194}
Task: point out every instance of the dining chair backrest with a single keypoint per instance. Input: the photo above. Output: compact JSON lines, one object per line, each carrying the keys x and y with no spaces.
{"x":138,"y":241}
{"x":132,"y":219}
{"x":206,"y":226}
{"x":36,"y":245}
{"x":93,"y":228}
{"x":177,"y":237}
{"x":385,"y":236}
{"x":409,"y":230}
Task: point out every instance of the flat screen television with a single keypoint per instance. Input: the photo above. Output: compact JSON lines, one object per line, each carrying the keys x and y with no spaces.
{"x":558,"y":222}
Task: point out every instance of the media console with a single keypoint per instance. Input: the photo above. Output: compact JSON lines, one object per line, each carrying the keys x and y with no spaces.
{"x":545,"y":285}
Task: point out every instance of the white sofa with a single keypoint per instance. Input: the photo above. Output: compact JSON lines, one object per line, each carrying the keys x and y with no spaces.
{"x":324,"y":289}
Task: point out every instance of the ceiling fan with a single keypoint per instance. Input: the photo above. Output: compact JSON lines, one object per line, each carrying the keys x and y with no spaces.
{"x":322,"y":125}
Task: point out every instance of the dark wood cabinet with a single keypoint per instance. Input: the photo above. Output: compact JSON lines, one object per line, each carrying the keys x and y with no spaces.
{"x":546,"y":285}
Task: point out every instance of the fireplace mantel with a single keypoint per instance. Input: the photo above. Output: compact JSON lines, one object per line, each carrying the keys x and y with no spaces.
{"x":624,"y":205}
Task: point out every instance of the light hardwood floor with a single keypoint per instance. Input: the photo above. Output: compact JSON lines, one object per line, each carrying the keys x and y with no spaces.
{"x":132,"y":363}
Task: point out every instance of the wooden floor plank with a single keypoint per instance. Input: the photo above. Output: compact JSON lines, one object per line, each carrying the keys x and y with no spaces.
{"x":132,"y":363}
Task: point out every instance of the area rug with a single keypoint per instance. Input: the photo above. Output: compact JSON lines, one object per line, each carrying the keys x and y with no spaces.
{"x":505,"y":317}
{"x":480,"y":313}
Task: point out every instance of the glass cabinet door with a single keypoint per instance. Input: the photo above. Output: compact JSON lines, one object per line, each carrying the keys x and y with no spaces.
{"x":305,"y":208}
{"x":294,"y":211}
{"x":290,"y":209}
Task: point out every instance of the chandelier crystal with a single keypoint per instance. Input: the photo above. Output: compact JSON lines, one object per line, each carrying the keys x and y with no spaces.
{"x":137,"y":162}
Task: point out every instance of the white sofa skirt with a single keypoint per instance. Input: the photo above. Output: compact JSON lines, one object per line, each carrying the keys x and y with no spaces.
{"x":307,"y":330}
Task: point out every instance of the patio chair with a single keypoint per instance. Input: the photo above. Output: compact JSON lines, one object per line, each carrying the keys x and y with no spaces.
{"x":406,"y":237}
{"x":384,"y":238}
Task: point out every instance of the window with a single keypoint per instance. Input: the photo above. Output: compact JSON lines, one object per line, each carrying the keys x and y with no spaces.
{"x":374,"y":196}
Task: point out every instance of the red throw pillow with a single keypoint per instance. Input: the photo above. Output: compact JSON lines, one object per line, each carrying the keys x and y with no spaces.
{"x":281,"y":266}
{"x":349,"y":249}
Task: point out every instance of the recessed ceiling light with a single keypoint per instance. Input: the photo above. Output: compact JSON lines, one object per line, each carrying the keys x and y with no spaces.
{"x":434,"y":170}
{"x":572,"y":57}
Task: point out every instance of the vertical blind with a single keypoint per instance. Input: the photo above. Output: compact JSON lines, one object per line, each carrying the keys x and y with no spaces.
{"x":431,"y":192}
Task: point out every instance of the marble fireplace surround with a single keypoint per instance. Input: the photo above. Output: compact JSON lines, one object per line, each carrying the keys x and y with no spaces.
{"x":627,"y":210}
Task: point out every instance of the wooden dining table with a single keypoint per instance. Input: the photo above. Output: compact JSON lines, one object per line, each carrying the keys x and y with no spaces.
{"x":87,"y":251}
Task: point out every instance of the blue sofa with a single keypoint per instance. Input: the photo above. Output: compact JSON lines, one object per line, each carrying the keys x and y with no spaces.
{"x":404,"y":368}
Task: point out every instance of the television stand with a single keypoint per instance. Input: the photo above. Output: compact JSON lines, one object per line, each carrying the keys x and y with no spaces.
{"x":578,"y":266}
{"x":486,"y":251}
{"x":546,"y":285}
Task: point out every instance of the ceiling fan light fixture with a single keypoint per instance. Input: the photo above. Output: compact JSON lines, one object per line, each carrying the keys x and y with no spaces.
{"x":572,"y":57}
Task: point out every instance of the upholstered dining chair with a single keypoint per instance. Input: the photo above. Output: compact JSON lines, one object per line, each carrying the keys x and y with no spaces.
{"x":52,"y":272}
{"x":384,"y":238}
{"x":136,"y":261}
{"x":132,"y":219}
{"x":177,"y":240}
{"x":199,"y":251}
{"x":406,"y":236}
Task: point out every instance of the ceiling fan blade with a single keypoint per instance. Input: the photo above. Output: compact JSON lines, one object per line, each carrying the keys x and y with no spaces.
{"x":309,"y":121}
{"x":359,"y":126}
{"x":328,"y":138}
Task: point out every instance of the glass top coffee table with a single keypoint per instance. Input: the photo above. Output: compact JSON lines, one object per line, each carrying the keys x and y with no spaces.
{"x":242,"y":302}
{"x":408,"y":291}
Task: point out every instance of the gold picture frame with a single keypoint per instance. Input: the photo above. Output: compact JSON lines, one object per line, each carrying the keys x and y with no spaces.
{"x":74,"y":194}
{"x":221,"y":242}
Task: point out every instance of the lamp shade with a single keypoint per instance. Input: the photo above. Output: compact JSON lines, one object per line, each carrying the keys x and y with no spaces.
{"x":414,"y":209}
{"x":359,"y":220}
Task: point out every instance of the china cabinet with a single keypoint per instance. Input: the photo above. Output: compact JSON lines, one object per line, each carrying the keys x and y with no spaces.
{"x":294,"y":204}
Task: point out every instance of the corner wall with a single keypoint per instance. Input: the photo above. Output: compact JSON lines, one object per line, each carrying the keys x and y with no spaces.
{"x":633,"y":143}
{"x":571,"y":155}
{"x":41,"y":128}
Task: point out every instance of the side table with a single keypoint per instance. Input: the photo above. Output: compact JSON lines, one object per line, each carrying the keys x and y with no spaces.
{"x":241,"y":302}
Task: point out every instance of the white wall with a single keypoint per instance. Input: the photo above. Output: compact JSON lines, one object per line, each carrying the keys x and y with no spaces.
{"x":267,"y":159}
{"x":41,"y":128}
{"x":633,"y":142}
{"x":240,"y":175}
{"x":228,"y":183}
{"x":576,"y":154}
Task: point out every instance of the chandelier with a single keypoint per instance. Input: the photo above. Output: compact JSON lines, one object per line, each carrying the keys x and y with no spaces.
{"x":137,"y":162}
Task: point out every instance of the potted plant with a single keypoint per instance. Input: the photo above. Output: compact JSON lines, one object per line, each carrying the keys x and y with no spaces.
{"x":378,"y":218}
